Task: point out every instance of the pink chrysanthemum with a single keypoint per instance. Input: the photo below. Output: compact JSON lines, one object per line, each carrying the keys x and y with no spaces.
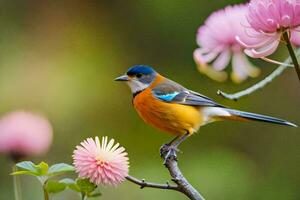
{"x":268,"y":19}
{"x":218,"y":45}
{"x":23,"y":133}
{"x":102,"y":163}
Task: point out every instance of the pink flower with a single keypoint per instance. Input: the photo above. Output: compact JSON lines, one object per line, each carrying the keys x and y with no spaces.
{"x":102,"y":163}
{"x":268,"y":19}
{"x":23,"y":133}
{"x":218,"y":45}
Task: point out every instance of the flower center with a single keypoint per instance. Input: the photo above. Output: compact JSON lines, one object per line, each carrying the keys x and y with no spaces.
{"x":100,"y":161}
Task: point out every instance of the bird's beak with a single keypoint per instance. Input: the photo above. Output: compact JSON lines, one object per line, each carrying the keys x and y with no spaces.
{"x":122,"y":78}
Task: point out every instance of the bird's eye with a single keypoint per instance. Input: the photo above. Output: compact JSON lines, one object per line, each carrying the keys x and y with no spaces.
{"x":139,"y":75}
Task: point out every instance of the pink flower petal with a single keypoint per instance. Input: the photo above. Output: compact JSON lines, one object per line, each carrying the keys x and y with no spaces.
{"x":263,"y":51}
{"x":242,"y":68}
{"x":24,"y":133}
{"x":264,"y":41}
{"x":222,"y":61}
{"x":272,"y":15}
{"x":102,"y":163}
{"x":202,"y":57}
{"x":217,"y":41}
{"x":295,"y":37}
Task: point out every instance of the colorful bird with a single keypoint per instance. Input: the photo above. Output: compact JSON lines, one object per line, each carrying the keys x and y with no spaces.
{"x":174,"y":109}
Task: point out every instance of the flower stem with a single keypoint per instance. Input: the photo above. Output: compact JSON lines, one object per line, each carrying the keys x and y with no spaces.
{"x":46,"y":194}
{"x":292,"y":53}
{"x":278,"y":71}
{"x":83,"y":196}
{"x":17,"y":188}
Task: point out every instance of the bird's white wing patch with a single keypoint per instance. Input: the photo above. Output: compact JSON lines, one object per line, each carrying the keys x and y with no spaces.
{"x":210,"y":113}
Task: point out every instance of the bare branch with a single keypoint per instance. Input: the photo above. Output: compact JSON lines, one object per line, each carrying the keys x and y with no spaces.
{"x":278,"y":71}
{"x":143,"y":184}
{"x":184,"y":186}
{"x":255,"y":87}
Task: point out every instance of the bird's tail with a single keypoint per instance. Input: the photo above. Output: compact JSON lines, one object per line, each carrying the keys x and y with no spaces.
{"x":241,"y":115}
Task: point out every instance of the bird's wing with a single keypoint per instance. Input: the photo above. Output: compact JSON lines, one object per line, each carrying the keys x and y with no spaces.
{"x":172,"y":92}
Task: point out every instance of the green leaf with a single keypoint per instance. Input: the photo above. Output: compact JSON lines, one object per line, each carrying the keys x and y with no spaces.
{"x":74,"y":187}
{"x":55,"y":186}
{"x":67,"y":181}
{"x":28,"y":168}
{"x":43,"y":168}
{"x":71,"y":184}
{"x":85,"y":186}
{"x":60,"y":168}
{"x":95,"y":194}
{"x":25,"y":173}
{"x":27,"y":165}
{"x":32,"y":169}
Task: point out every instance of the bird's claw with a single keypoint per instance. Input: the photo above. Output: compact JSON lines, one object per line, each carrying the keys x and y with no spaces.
{"x":168,"y":152}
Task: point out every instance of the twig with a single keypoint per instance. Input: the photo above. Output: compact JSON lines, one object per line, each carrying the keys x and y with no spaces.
{"x":255,"y":87}
{"x":143,"y":184}
{"x":183,"y":185}
{"x":260,"y":84}
{"x":286,"y":38}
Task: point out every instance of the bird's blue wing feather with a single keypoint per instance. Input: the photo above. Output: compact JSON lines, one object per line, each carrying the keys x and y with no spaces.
{"x":166,"y":97}
{"x":172,"y":92}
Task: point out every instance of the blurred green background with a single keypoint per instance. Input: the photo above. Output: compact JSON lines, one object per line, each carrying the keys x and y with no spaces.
{"x":60,"y":58}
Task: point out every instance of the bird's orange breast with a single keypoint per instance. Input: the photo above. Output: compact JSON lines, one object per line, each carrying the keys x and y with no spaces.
{"x":173,"y":118}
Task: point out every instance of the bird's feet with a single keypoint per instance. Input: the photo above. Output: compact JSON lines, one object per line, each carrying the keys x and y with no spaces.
{"x":168,"y":152}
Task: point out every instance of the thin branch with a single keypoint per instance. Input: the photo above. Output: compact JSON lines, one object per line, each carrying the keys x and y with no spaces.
{"x":255,"y":87}
{"x":278,"y":71}
{"x":184,"y":186}
{"x":143,"y":184}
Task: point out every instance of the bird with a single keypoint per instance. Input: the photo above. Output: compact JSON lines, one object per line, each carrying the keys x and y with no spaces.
{"x":174,"y":109}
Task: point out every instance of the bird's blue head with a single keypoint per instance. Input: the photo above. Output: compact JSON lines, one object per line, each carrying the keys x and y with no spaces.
{"x":138,"y":77}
